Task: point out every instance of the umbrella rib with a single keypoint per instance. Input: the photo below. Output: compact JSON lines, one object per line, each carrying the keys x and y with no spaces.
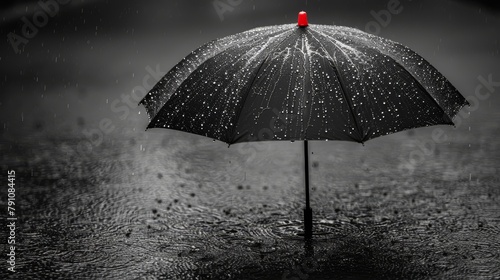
{"x":234,"y":140}
{"x":406,"y":70}
{"x":343,"y":89}
{"x":171,"y":78}
{"x":419,"y":85}
{"x":219,"y":53}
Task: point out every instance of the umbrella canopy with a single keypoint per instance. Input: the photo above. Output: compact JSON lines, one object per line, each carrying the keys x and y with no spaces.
{"x":301,"y":82}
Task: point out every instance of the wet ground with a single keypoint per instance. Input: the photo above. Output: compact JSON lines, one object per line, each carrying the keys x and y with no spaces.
{"x":176,"y":206}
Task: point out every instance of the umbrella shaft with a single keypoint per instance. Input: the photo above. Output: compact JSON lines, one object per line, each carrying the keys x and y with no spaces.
{"x":306,"y":169}
{"x":307,"y":210}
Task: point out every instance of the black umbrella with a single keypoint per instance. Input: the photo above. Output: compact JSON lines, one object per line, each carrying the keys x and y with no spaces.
{"x":301,"y":82}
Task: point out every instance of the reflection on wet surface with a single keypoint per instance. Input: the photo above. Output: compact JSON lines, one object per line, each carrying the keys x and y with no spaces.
{"x":190,"y":208}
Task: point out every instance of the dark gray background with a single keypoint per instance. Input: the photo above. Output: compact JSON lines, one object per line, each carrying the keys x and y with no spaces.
{"x":127,"y":203}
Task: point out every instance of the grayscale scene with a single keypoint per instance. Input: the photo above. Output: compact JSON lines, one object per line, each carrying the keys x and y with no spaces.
{"x":250,"y":139}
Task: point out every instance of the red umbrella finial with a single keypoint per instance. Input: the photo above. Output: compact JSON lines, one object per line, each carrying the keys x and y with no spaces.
{"x":302,"y":22}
